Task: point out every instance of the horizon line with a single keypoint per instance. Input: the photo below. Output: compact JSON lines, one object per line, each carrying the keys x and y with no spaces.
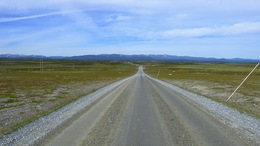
{"x":64,"y":56}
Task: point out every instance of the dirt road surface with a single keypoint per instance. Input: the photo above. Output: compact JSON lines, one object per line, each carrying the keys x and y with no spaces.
{"x":141,"y":111}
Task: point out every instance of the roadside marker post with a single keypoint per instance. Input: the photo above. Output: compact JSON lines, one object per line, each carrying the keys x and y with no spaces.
{"x":41,"y":64}
{"x":158,"y":73}
{"x":243,"y":82}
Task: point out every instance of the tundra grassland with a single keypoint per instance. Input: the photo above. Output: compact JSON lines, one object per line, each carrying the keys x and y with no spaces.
{"x":28,"y":92}
{"x":214,"y":80}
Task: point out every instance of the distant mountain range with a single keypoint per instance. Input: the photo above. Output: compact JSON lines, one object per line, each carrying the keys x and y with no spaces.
{"x":120,"y":57}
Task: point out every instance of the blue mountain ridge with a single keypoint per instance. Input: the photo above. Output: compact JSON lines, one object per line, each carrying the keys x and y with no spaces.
{"x":121,"y":57}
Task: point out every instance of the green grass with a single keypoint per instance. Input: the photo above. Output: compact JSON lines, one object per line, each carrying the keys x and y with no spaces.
{"x":23,"y":84}
{"x":222,"y":77}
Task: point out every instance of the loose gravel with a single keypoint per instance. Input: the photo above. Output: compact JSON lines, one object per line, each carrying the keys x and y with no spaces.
{"x":31,"y":133}
{"x":244,"y":125}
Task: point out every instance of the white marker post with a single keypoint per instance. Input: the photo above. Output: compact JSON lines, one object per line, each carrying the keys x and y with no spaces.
{"x":242,"y":82}
{"x":158,"y":73}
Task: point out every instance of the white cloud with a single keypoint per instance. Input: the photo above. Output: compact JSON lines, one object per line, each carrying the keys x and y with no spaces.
{"x":235,"y":29}
{"x":240,"y":28}
{"x":67,"y":12}
{"x":193,"y":32}
{"x":27,"y":17}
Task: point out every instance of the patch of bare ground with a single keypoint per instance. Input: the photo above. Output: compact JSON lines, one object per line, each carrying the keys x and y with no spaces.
{"x":30,"y":105}
{"x":243,"y":101}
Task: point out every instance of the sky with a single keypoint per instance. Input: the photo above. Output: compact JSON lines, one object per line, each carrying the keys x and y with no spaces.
{"x":203,"y":28}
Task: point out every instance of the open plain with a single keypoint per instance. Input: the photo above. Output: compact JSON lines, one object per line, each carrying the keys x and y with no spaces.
{"x":140,"y":110}
{"x":33,"y":88}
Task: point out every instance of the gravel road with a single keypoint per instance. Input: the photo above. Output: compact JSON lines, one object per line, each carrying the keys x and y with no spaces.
{"x":140,"y":110}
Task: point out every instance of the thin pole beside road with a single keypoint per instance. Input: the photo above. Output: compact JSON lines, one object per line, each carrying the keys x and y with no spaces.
{"x":158,"y":73}
{"x":242,"y":82}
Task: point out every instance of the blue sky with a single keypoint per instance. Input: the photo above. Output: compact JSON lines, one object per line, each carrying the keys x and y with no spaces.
{"x":215,"y":28}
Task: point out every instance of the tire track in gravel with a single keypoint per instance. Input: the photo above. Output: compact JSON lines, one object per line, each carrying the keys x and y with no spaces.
{"x":179,"y":133}
{"x":58,"y":130}
{"x":106,"y":129}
